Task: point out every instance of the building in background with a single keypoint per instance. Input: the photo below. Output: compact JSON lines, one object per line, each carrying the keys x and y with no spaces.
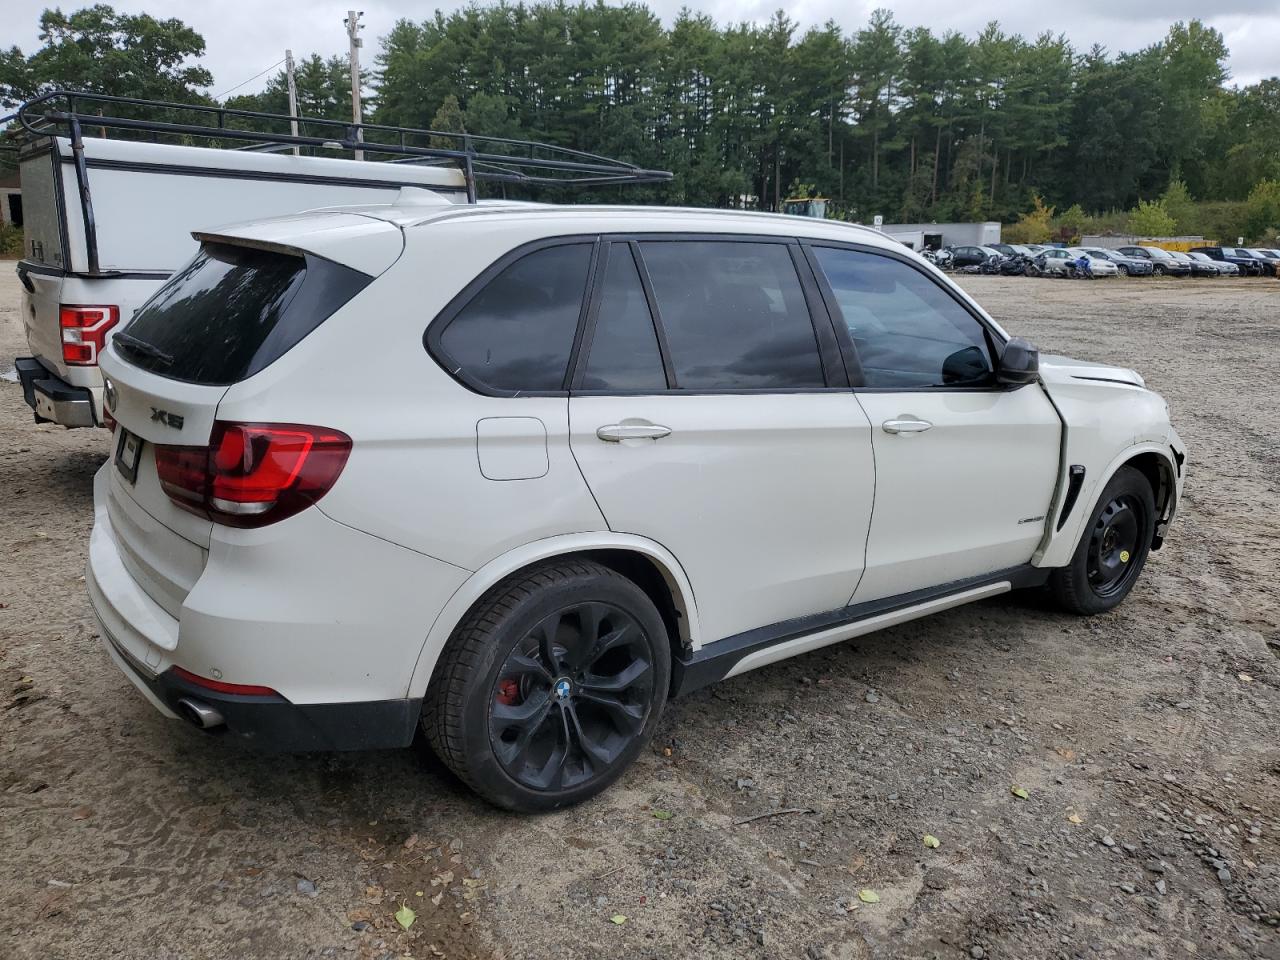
{"x":938,"y":235}
{"x":10,"y":199}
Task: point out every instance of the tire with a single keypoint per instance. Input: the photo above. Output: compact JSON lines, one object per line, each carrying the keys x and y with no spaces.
{"x":1122,"y":270}
{"x":517,"y":648}
{"x":1112,"y":550}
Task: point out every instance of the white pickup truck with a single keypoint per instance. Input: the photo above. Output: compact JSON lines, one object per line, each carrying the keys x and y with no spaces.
{"x":106,"y":224}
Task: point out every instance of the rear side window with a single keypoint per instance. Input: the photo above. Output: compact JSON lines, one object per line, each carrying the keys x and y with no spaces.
{"x":734,"y":315}
{"x":516,"y":334}
{"x":624,"y":350}
{"x":232,"y":311}
{"x":908,"y":332}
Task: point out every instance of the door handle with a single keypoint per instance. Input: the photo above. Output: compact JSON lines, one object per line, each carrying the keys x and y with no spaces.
{"x":632,"y":430}
{"x":906,"y":426}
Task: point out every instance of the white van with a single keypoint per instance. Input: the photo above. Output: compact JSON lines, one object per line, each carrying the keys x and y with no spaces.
{"x":101,"y":237}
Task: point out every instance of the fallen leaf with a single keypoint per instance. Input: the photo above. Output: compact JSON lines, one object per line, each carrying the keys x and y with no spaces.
{"x":437,"y":898}
{"x":1020,"y":793}
{"x":662,"y":814}
{"x":359,"y":914}
{"x":931,"y":841}
{"x":446,"y":878}
{"x":1245,"y":677}
{"x":1066,"y":753}
{"x":418,"y":894}
{"x":405,"y":916}
{"x":868,"y":896}
{"x":1076,"y":818}
{"x":473,"y":882}
{"x":81,"y":813}
{"x":619,"y":919}
{"x":411,"y":842}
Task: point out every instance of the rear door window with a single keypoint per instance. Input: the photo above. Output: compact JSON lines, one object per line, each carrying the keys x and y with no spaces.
{"x":624,"y":353}
{"x":734,"y":315}
{"x":232,"y":311}
{"x":516,"y":333}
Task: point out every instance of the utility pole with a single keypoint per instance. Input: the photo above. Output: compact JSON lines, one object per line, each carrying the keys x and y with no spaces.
{"x":353,"y":33}
{"x":293,"y":96}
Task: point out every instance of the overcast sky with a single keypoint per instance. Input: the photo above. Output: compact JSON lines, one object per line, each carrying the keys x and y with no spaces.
{"x":245,"y":37}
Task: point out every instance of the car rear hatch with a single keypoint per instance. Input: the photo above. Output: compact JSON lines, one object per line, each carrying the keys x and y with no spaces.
{"x":248,"y":297}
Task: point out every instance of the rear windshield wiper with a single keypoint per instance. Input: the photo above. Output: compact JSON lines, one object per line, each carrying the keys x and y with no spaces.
{"x":142,"y":348}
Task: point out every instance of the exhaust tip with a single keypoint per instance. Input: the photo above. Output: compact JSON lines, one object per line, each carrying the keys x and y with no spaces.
{"x":201,"y":714}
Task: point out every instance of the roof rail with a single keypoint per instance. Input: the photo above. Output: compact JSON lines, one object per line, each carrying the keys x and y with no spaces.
{"x":493,"y":159}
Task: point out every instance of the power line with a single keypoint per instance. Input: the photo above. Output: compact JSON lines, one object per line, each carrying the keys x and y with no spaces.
{"x":219,"y":96}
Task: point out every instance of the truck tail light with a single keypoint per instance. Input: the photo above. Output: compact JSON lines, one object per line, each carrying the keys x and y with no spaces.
{"x":253,"y":474}
{"x":84,"y":330}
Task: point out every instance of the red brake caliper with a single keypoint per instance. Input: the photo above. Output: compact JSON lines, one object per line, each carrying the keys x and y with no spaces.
{"x":508,"y":693}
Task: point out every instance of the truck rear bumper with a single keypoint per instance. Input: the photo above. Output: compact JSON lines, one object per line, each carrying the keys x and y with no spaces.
{"x":52,"y":399}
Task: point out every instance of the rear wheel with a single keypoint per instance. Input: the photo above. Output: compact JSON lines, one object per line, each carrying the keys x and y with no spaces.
{"x":552,"y":685}
{"x":1112,"y":549}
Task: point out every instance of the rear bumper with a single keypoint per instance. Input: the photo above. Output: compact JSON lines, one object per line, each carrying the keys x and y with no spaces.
{"x":273,"y":724}
{"x":52,"y":399}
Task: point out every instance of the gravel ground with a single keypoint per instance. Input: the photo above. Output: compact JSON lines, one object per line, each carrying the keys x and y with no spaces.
{"x":1145,"y":741}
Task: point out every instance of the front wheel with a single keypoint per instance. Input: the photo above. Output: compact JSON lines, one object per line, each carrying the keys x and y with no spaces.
{"x":1112,"y":549}
{"x":1159,"y":270}
{"x":550,"y":687}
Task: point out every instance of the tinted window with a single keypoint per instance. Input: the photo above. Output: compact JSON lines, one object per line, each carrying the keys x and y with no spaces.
{"x":907,"y":330}
{"x":734,"y":315}
{"x":624,"y":350}
{"x":517,"y":332}
{"x":232,"y":311}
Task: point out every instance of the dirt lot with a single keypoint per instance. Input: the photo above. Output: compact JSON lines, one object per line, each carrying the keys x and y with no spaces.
{"x":1146,"y":741}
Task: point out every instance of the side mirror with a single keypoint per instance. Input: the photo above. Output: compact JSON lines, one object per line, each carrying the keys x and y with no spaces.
{"x":1019,"y":362}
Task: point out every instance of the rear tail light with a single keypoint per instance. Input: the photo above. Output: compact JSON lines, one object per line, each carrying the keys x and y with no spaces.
{"x":253,"y":474}
{"x":84,"y":330}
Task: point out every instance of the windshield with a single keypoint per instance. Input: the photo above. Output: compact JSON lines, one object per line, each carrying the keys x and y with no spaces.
{"x":1158,"y":252}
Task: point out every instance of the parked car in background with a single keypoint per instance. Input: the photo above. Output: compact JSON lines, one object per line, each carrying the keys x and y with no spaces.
{"x":1053,"y":262}
{"x":1270,"y":259}
{"x":1125,"y":264}
{"x":1098,"y":266}
{"x":1161,"y":262}
{"x":1004,"y":249}
{"x":971,"y":256}
{"x":497,"y":537}
{"x":1223,"y":267}
{"x":1198,"y":268}
{"x":1248,"y":266}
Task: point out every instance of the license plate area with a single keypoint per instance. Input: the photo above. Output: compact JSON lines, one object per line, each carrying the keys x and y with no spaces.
{"x":128,"y":454}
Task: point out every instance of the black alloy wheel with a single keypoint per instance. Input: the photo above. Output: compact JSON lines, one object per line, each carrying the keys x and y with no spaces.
{"x":551,"y":686}
{"x":570,"y":696}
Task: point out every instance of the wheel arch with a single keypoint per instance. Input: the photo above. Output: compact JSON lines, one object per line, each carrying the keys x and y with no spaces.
{"x":645,"y":562}
{"x":1155,"y":461}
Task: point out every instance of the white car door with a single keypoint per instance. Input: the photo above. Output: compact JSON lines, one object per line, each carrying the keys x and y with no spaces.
{"x":702,"y":418}
{"x":965,"y":466}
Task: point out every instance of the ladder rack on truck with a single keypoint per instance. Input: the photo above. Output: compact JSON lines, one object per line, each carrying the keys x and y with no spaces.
{"x":477,"y":156}
{"x":108,"y":218}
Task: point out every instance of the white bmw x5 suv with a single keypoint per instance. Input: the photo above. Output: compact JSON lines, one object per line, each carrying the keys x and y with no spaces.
{"x":519,"y":475}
